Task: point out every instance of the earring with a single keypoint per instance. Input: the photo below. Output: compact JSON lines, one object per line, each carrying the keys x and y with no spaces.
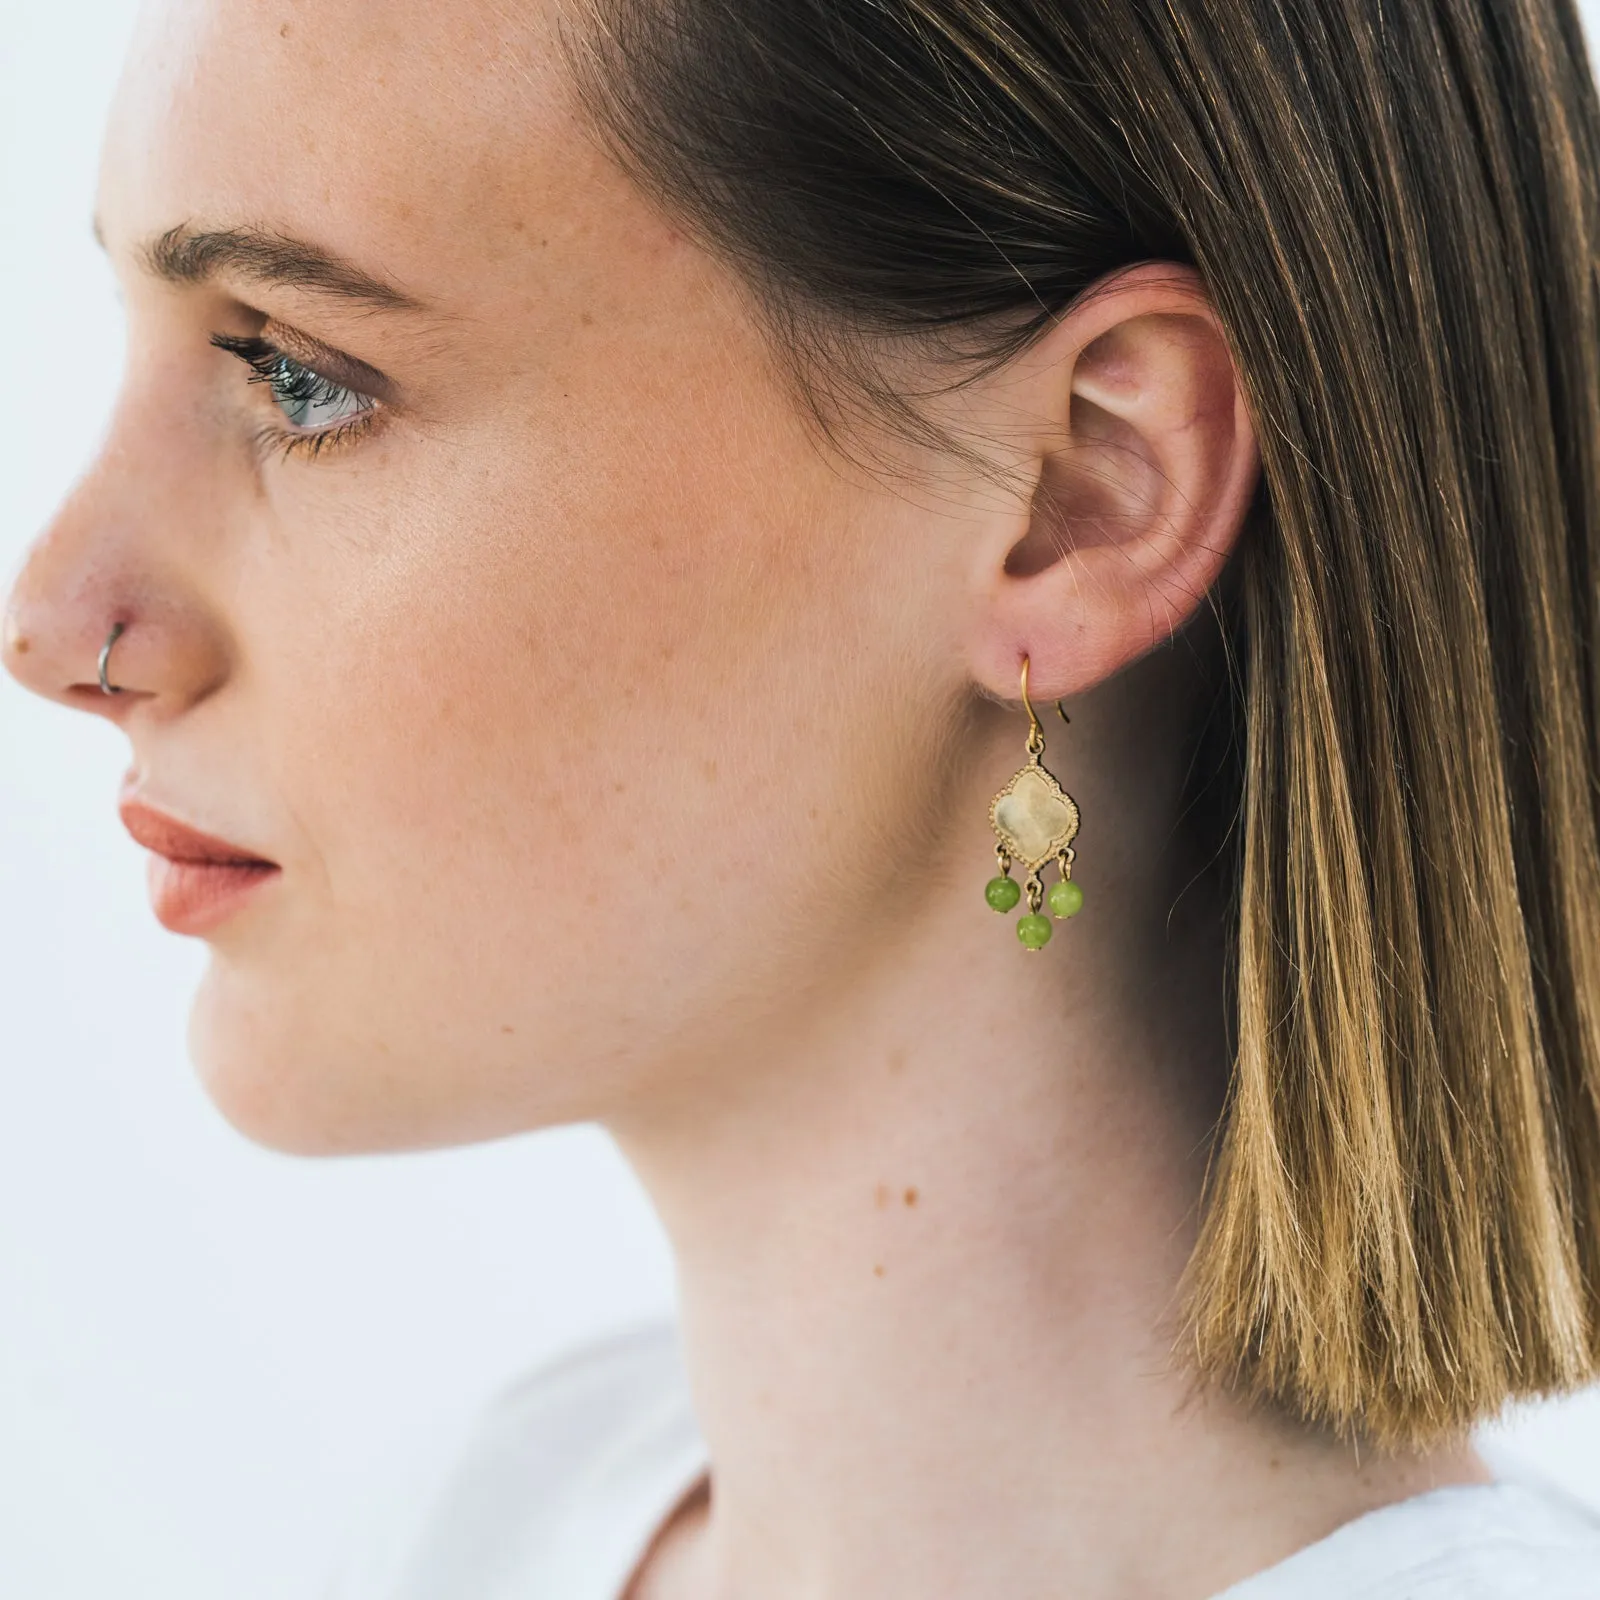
{"x":1034,"y":818}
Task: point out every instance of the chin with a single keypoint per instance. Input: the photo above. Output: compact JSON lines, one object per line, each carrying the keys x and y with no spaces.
{"x":295,"y":1073}
{"x":287,"y":1090}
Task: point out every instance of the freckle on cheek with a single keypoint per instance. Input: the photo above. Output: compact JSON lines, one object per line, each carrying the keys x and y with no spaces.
{"x":911,"y":1196}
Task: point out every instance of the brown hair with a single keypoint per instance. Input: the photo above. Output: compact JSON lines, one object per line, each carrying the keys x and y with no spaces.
{"x":1395,"y":209}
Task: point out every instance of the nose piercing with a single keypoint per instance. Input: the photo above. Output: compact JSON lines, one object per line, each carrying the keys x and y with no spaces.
{"x":106,"y":687}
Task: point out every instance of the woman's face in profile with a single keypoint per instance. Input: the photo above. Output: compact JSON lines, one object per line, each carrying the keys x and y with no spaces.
{"x":478,"y":571}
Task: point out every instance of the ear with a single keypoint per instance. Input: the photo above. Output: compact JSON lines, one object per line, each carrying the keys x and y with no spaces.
{"x":1142,"y":463}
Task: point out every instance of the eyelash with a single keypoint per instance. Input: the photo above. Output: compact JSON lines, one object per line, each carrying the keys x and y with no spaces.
{"x":292,"y":382}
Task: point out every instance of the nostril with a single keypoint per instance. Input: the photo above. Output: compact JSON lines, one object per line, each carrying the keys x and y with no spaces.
{"x":104,"y":659}
{"x":87,"y":697}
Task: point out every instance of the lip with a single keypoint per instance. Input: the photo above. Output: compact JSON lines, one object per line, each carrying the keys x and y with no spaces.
{"x":196,"y":880}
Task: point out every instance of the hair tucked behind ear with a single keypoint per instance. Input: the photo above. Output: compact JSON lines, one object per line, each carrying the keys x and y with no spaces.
{"x":1395,"y":209}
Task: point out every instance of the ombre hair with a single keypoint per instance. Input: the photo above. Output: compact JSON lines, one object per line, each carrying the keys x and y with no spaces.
{"x":1394,"y":208}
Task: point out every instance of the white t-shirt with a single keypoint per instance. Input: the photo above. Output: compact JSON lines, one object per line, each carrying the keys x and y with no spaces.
{"x":564,"y":1479}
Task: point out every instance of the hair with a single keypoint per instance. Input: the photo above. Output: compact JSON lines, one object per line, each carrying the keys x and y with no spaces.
{"x":1394,"y":208}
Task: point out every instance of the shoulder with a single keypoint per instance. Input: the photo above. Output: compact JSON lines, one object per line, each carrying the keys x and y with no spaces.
{"x":587,"y":1399}
{"x":558,"y":1471}
{"x":1519,"y":1538}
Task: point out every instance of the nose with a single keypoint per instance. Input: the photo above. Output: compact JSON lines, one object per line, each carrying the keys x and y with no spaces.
{"x":103,"y":565}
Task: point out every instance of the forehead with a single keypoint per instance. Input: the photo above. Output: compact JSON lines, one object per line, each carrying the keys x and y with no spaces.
{"x":435,"y":137}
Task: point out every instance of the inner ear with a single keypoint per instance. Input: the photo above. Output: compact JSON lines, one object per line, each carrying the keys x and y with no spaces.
{"x":1100,"y":488}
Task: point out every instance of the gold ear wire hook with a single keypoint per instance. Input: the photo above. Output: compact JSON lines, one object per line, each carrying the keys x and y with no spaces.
{"x":1035,"y":731}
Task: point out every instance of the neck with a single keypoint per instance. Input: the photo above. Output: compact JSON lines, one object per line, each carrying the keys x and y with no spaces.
{"x":929,"y":1247}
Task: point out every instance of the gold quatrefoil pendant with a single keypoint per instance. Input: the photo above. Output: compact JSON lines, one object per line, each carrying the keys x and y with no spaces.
{"x":1034,"y":818}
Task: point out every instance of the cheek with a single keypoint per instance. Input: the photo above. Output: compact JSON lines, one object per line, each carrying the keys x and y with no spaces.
{"x":569,"y":772}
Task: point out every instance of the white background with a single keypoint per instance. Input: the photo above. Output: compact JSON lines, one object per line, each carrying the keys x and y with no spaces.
{"x":209,"y":1353}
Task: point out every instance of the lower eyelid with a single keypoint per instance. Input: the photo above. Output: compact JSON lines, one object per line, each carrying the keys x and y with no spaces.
{"x":288,"y":441}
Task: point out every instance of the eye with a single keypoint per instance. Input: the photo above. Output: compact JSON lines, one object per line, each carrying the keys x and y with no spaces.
{"x":310,"y":403}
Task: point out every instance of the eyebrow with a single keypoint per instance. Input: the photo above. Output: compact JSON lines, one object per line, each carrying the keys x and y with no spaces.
{"x":189,"y":255}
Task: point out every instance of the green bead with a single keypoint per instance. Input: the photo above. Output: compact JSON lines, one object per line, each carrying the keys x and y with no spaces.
{"x":1066,"y":898}
{"x":1002,"y":893}
{"x":1034,"y":930}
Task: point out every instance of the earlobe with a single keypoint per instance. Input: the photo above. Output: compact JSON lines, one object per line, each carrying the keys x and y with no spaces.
{"x":1140,"y":486}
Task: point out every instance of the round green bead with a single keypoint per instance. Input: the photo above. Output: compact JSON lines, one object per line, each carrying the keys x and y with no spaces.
{"x":1002,"y":893}
{"x":1034,"y":930}
{"x":1066,"y":898}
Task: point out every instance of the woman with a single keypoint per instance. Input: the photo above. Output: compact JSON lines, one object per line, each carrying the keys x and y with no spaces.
{"x":606,"y":501}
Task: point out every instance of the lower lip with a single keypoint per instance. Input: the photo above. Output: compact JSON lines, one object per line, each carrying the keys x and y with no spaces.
{"x":196,"y":896}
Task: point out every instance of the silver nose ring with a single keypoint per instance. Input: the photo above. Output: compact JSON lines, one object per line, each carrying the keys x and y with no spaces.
{"x":106,"y":686}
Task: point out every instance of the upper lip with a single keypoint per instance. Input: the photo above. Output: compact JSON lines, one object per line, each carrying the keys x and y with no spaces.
{"x":177,"y":841}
